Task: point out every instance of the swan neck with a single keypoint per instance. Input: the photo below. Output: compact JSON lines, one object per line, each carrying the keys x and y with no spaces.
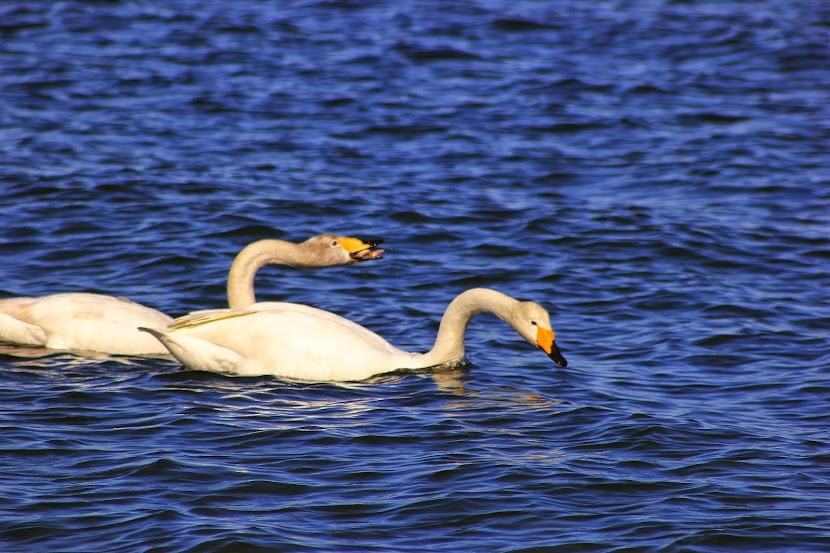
{"x":250,"y":260}
{"x":449,"y":344}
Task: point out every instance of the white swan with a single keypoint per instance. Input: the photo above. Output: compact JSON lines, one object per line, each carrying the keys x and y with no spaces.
{"x":298,"y":342}
{"x":107,"y":324}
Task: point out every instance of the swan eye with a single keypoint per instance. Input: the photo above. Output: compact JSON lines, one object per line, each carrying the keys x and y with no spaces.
{"x":533,"y":323}
{"x":334,"y":243}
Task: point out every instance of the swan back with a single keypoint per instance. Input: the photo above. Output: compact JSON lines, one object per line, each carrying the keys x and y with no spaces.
{"x":288,"y":340}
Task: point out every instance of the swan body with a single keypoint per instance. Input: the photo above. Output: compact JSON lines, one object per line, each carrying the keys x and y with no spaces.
{"x":80,"y":322}
{"x":299,"y":342}
{"x":107,"y":324}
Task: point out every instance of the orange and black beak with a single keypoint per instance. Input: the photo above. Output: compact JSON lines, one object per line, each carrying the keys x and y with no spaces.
{"x":362,"y":250}
{"x":545,"y":340}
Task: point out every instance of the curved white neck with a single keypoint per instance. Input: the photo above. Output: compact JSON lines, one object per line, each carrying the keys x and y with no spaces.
{"x":251,"y":259}
{"x":449,"y":344}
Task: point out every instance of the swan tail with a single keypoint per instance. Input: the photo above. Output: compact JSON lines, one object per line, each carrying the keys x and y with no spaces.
{"x":197,"y":354}
{"x":14,"y":331}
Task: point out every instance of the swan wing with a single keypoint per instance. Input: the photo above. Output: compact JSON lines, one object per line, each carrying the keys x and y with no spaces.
{"x":204,"y":316}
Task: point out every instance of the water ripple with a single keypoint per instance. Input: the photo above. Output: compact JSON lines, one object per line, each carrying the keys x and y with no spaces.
{"x":654,"y":175}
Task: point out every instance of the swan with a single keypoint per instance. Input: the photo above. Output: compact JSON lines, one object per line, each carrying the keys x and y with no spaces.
{"x":298,"y":342}
{"x":107,"y":324}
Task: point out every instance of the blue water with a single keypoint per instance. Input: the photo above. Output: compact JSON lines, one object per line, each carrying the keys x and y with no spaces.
{"x":656,"y":173}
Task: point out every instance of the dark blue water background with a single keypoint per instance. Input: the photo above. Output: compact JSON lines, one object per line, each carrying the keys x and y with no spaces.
{"x":655,"y":173}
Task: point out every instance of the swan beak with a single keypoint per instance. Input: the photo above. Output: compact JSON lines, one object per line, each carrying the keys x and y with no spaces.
{"x":545,"y":340}
{"x":362,"y":250}
{"x":557,"y":356}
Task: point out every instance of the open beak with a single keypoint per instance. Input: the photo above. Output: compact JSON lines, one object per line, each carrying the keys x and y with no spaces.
{"x":362,"y":250}
{"x":545,"y":340}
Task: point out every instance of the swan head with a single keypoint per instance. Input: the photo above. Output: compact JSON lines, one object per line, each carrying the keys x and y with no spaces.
{"x":533,"y":324}
{"x":338,"y":250}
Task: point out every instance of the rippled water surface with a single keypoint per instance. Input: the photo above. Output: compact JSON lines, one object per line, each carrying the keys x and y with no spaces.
{"x":656,"y":173}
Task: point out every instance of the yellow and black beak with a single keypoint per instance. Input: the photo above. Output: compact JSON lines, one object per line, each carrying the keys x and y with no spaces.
{"x":545,"y":340}
{"x":362,"y":250}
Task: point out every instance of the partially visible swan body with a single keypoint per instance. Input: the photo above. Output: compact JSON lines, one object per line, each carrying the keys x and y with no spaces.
{"x":80,"y":322}
{"x":298,"y":342}
{"x":83,"y":322}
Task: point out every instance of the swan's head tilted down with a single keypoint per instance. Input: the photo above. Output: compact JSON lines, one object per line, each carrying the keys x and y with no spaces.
{"x":533,"y":324}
